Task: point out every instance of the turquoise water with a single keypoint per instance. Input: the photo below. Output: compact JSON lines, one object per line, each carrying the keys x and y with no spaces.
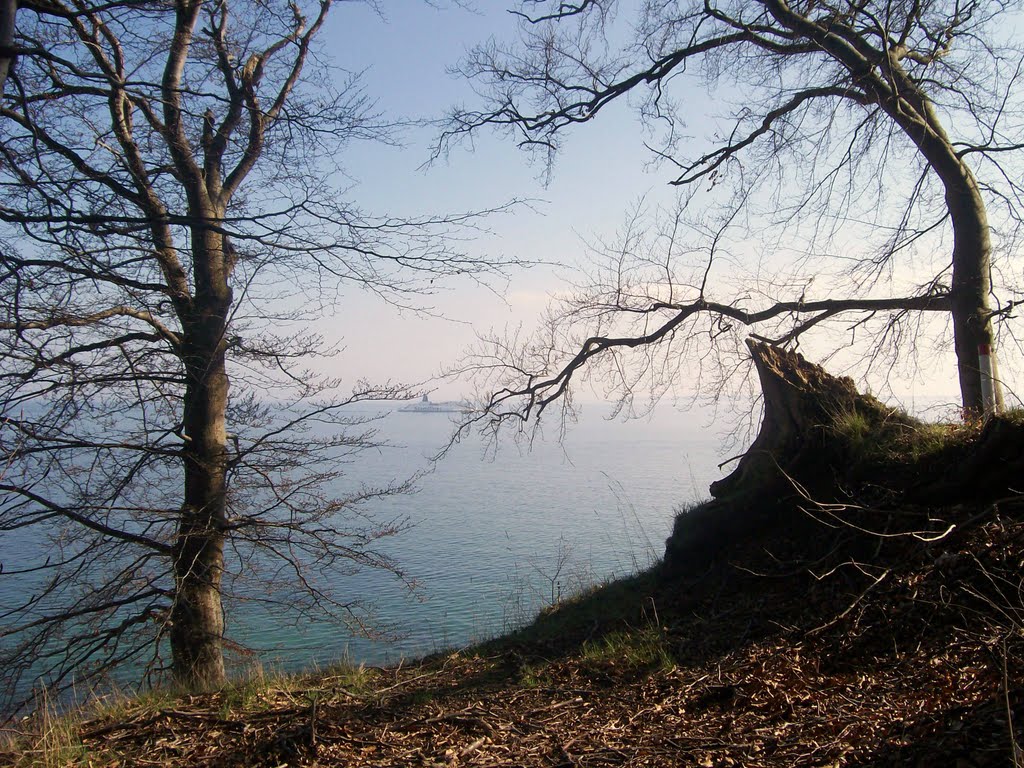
{"x":494,"y":535}
{"x":494,"y":539}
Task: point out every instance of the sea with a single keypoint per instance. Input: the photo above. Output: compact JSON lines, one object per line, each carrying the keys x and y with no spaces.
{"x":500,"y":530}
{"x":496,"y":531}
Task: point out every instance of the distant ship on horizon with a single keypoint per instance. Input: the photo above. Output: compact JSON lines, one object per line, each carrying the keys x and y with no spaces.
{"x":447,"y":406}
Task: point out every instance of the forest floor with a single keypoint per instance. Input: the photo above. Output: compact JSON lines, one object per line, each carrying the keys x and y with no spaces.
{"x":883,"y":636}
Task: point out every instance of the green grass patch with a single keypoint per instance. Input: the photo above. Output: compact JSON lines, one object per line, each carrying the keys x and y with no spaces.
{"x":536,"y":676}
{"x":50,"y":740}
{"x":1014,"y":416}
{"x":895,"y":437}
{"x":354,"y":679}
{"x":645,"y":648}
{"x":593,"y":613}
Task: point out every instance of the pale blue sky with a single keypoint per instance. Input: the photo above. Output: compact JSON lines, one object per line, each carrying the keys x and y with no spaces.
{"x":601,"y":172}
{"x":406,"y":57}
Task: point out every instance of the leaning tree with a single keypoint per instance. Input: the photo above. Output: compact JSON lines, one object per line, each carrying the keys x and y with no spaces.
{"x":169,"y":220}
{"x":872,"y":138}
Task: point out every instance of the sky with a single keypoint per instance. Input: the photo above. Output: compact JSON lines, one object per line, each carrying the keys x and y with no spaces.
{"x":405,"y":54}
{"x":405,"y":57}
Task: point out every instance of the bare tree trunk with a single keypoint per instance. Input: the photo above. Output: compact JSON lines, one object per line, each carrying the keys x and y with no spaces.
{"x":972,"y":323}
{"x":197,"y":628}
{"x":197,"y":617}
{"x":913,"y":111}
{"x":903,"y":99}
{"x":796,"y":447}
{"x":972,"y":245}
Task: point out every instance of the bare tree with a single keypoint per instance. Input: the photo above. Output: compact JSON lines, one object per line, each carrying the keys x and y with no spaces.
{"x":871,"y":131}
{"x":169,"y":222}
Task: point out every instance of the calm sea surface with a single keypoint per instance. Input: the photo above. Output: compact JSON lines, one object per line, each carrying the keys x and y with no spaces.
{"x":493,"y":538}
{"x":496,"y":538}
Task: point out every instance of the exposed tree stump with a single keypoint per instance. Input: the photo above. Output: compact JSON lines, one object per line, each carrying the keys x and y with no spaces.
{"x":821,"y":438}
{"x":796,"y":442}
{"x":801,"y":402}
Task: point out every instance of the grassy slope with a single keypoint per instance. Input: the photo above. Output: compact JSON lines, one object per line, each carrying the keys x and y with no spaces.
{"x":821,"y":644}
